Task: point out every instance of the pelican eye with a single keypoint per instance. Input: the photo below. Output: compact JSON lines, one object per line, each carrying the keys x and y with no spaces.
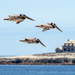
{"x":23,"y":15}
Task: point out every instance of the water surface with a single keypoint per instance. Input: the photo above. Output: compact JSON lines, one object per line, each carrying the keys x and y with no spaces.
{"x":37,"y":70}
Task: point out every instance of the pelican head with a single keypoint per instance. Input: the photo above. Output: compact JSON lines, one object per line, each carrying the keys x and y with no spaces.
{"x":55,"y":26}
{"x":22,"y":14}
{"x":36,"y":38}
{"x":52,"y":23}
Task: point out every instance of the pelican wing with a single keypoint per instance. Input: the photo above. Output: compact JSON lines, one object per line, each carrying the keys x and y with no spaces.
{"x":12,"y":15}
{"x":42,"y":43}
{"x":46,"y":24}
{"x":46,"y":28}
{"x":29,"y":18}
{"x":58,"y":29}
{"x":19,"y":21}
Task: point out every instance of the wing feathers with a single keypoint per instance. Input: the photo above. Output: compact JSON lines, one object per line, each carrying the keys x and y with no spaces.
{"x":19,"y":21}
{"x":46,"y":28}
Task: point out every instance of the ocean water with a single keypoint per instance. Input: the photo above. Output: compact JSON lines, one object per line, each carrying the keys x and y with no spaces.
{"x":37,"y":69}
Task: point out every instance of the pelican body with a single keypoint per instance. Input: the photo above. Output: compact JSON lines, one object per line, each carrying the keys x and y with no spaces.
{"x":48,"y":26}
{"x":32,"y":41}
{"x":18,"y":18}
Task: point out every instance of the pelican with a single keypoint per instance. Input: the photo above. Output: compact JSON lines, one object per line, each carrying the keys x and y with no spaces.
{"x":32,"y":41}
{"x":48,"y":26}
{"x":18,"y":18}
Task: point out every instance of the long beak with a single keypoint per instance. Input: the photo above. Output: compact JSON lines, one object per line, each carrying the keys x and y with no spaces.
{"x":42,"y":43}
{"x":29,"y":18}
{"x":58,"y":28}
{"x":22,"y":40}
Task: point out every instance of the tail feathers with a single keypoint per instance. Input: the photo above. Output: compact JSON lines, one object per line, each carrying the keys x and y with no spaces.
{"x":6,"y":19}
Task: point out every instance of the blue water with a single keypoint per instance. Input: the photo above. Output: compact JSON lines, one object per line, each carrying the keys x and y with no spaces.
{"x":37,"y":70}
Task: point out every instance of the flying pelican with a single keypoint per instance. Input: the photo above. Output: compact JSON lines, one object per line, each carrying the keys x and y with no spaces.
{"x":48,"y":26}
{"x":18,"y":18}
{"x":32,"y":40}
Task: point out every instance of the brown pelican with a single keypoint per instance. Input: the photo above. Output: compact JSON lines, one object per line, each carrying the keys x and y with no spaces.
{"x":18,"y":18}
{"x":48,"y":26}
{"x":32,"y":40}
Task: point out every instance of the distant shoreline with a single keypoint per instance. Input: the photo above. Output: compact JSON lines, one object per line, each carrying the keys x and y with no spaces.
{"x":40,"y":59}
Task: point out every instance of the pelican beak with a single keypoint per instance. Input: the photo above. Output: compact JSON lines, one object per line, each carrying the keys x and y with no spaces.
{"x":59,"y":29}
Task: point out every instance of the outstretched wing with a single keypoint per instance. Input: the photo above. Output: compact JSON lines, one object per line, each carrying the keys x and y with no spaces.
{"x":46,"y":28}
{"x":42,"y":43}
{"x":19,"y":21}
{"x":58,"y":28}
{"x":29,"y":18}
